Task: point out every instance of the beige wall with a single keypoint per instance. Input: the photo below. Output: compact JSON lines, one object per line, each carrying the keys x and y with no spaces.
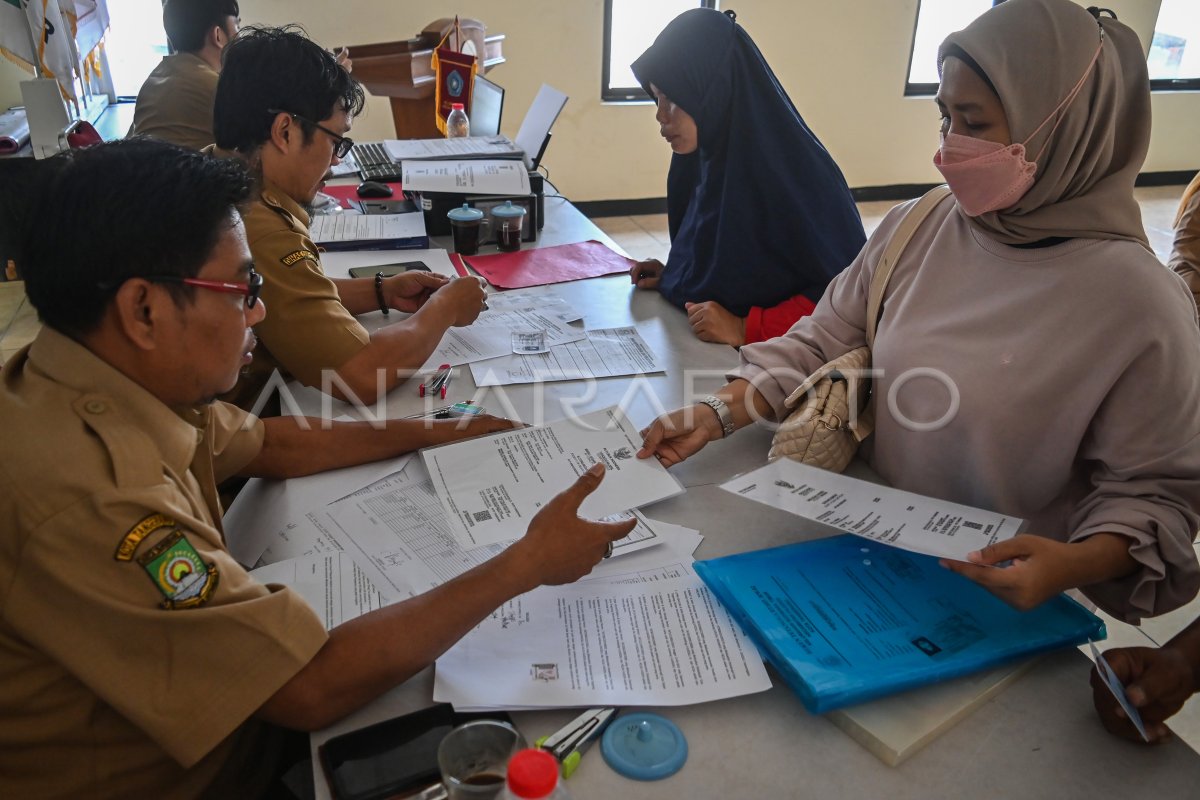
{"x":842,"y":62}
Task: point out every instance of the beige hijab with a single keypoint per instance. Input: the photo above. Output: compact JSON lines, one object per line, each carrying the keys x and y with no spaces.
{"x":1034,"y":52}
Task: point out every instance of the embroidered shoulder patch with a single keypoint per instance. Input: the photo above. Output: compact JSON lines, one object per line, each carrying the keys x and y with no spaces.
{"x":175,"y":567}
{"x":131,"y":540}
{"x":291,"y":258}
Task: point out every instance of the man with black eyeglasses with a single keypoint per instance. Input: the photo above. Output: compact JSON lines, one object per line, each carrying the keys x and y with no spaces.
{"x":137,"y":657}
{"x":285,"y":107}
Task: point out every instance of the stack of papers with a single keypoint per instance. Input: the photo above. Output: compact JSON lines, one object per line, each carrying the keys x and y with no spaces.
{"x":369,"y":231}
{"x":463,"y":147}
{"x":605,"y":353}
{"x":480,"y":176}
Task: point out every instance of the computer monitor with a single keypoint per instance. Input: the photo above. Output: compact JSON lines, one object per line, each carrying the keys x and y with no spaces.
{"x":487,"y":103}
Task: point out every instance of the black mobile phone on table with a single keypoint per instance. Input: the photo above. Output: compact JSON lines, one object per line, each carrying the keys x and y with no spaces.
{"x":388,"y":270}
{"x":392,"y":757}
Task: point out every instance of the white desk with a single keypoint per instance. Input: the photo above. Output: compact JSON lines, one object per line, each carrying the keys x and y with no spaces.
{"x":1038,"y":738}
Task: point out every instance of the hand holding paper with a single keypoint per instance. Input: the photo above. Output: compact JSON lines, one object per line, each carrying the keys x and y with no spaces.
{"x":1156,"y":681}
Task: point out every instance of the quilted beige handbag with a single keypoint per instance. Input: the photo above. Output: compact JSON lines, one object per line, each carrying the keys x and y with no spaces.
{"x":831,"y":411}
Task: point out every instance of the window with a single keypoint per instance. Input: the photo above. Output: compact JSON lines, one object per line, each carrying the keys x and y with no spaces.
{"x":136,"y":42}
{"x":630,"y":26}
{"x":937,"y":19}
{"x":1174,"y":59}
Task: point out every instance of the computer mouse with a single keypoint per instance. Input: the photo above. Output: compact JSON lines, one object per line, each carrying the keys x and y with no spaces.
{"x":374,"y":189}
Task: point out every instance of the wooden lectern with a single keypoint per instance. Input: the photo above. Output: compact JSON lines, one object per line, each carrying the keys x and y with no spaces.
{"x":402,"y":72}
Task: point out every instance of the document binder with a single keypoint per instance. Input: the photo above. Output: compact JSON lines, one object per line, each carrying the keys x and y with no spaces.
{"x":846,"y":620}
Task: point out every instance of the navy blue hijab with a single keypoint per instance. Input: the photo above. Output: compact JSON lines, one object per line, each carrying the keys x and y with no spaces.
{"x":759,"y":212}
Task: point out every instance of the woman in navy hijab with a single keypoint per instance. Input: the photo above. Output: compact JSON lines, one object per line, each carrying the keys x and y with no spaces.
{"x":759,"y":214}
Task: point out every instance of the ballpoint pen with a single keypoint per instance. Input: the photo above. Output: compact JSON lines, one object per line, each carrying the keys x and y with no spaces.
{"x":568,"y":743}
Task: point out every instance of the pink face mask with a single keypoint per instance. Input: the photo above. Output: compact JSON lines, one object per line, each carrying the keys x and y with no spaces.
{"x":988,"y":176}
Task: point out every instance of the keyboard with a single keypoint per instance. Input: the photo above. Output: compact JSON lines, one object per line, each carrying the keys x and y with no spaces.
{"x":374,"y":163}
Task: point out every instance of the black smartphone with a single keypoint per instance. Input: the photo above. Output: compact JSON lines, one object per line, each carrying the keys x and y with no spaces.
{"x":388,"y":270}
{"x":394,"y":756}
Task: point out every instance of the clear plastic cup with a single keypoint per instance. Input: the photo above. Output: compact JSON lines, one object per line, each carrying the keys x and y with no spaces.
{"x":473,"y":758}
{"x":508,"y":222}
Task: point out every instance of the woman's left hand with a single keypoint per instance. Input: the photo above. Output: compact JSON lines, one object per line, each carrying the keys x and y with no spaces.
{"x":712,"y":323}
{"x":1040,"y":569}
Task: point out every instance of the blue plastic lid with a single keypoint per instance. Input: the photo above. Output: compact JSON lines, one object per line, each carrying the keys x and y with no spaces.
{"x":508,"y":210}
{"x":465,"y":214}
{"x":644,"y":746}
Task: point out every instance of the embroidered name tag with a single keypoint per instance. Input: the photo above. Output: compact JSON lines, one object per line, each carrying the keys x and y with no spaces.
{"x":175,"y":567}
{"x":299,"y":255}
{"x":129,"y":544}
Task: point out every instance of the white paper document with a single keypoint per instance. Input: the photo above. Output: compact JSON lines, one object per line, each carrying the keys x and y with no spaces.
{"x":490,"y":335}
{"x":551,"y":305}
{"x":263,"y":508}
{"x":595,"y":643}
{"x":607,"y":352}
{"x":396,"y":531}
{"x":474,"y":176}
{"x":329,"y":582}
{"x":901,"y":519}
{"x":461,"y":147}
{"x":345,"y":228}
{"x":492,"y":486}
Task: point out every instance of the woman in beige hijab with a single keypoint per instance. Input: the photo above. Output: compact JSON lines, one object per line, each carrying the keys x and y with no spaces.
{"x":1185,"y":252}
{"x":1036,"y":358}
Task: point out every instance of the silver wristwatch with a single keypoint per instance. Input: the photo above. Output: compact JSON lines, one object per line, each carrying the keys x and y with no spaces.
{"x":724,"y":415}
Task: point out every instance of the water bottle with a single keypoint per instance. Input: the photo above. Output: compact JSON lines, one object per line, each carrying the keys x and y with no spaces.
{"x":457,"y":123}
{"x":533,"y":775}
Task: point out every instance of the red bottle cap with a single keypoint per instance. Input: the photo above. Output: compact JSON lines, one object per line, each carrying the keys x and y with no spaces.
{"x":532,"y":774}
{"x":458,"y":106}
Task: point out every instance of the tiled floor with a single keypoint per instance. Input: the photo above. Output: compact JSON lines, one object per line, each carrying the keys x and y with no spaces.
{"x":646,"y":237}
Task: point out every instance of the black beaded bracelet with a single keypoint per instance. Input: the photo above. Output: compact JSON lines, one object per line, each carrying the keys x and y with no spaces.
{"x":383,"y":306}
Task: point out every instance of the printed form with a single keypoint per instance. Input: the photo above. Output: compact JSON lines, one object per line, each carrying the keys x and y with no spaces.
{"x":396,"y":533}
{"x":490,"y":335}
{"x":605,"y":353}
{"x":329,"y":582}
{"x":661,"y":643}
{"x":891,"y":516}
{"x":492,"y":486}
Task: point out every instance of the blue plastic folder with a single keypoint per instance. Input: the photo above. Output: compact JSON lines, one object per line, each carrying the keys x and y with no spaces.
{"x":845,"y":619}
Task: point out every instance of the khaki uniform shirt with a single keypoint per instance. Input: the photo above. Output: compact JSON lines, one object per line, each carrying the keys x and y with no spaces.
{"x":133,"y":648}
{"x":307,"y":330}
{"x":176,"y":102}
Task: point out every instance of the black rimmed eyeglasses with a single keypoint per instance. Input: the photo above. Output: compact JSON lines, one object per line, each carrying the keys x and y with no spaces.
{"x":250,"y":290}
{"x":341,"y":144}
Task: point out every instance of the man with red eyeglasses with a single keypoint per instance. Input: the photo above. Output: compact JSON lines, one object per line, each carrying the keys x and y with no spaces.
{"x":285,"y":107}
{"x":137,"y":657}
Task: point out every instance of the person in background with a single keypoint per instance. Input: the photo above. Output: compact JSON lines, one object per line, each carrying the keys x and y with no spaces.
{"x":284,"y":107}
{"x":137,"y":657}
{"x":1185,"y":252}
{"x":759,"y":214}
{"x":176,"y":101}
{"x":1034,"y":357}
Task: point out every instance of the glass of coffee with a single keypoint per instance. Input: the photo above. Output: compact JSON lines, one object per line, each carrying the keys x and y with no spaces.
{"x":508,"y":221}
{"x":473,"y":758}
{"x":466,"y":224}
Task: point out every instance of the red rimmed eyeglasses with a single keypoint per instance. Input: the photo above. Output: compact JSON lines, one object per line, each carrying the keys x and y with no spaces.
{"x":250,"y":290}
